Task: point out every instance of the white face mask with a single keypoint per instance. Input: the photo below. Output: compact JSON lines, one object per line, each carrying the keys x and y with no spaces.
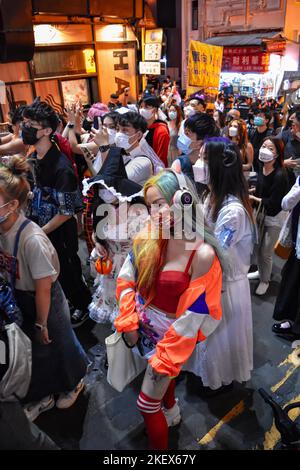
{"x":189,"y":111}
{"x":265,"y":155}
{"x":233,"y":131}
{"x":111,"y":136}
{"x":172,"y":115}
{"x":201,"y":172}
{"x":122,"y":140}
{"x":146,"y":113}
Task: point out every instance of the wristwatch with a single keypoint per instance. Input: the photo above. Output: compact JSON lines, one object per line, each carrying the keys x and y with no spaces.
{"x":40,"y":327}
{"x":70,"y":125}
{"x":104,"y":148}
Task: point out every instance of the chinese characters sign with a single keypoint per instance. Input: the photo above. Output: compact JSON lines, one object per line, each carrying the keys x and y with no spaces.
{"x":205,"y":63}
{"x":152,"y":52}
{"x":245,"y":59}
{"x":149,"y":68}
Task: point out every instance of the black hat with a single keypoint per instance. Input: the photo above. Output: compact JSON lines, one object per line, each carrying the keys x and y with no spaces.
{"x":113,"y":179}
{"x":151,"y":101}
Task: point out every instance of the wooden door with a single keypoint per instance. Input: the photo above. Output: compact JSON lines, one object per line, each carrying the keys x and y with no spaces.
{"x":116,"y":63}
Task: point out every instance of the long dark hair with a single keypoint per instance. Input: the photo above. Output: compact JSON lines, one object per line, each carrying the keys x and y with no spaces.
{"x":226,"y":174}
{"x":179,"y":114}
{"x":279,"y":144}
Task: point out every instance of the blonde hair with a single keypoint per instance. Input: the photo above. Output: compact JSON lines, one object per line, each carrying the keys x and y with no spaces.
{"x":13,"y":180}
{"x":149,"y":253}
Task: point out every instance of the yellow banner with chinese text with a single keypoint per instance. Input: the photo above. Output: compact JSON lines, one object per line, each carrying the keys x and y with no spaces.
{"x":204,"y":67}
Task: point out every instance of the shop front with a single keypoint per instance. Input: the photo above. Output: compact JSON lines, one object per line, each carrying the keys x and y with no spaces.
{"x":85,"y":57}
{"x":63,"y":69}
{"x":253,"y":64}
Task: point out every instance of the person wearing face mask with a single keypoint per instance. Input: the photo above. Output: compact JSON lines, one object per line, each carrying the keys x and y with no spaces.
{"x":169,"y":299}
{"x":113,"y":232}
{"x":230,"y":116}
{"x":104,"y":139}
{"x":158,"y":136}
{"x":271,"y":187}
{"x":58,"y":360}
{"x":237,"y":133}
{"x":12,"y":144}
{"x":257,"y":135}
{"x":174,"y":120}
{"x":140,"y":160}
{"x":228,"y":354}
{"x":193,"y":106}
{"x":197,"y":128}
{"x":55,"y":202}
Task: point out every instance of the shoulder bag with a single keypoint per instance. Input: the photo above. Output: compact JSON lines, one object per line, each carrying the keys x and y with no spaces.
{"x":123,"y":364}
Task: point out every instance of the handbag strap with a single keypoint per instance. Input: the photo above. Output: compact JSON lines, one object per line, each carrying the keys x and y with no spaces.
{"x":15,"y":252}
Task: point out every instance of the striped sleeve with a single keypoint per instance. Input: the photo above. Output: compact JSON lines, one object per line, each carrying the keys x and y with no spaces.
{"x":128,"y":319}
{"x":199,"y":313}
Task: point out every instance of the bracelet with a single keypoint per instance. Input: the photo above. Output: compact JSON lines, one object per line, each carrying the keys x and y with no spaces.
{"x":40,"y":327}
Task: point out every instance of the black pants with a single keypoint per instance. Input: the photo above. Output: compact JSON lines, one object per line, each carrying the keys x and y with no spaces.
{"x":287,"y":305}
{"x":65,"y":241}
{"x":18,"y":433}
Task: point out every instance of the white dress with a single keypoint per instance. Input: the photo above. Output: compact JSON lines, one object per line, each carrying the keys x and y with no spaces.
{"x":104,"y":307}
{"x":227,"y":354}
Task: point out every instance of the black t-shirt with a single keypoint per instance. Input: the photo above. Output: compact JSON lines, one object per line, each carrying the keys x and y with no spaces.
{"x":55,"y":191}
{"x":55,"y":171}
{"x":272,"y":189}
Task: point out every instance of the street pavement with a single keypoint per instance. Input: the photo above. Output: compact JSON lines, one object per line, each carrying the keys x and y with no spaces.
{"x":103,"y":419}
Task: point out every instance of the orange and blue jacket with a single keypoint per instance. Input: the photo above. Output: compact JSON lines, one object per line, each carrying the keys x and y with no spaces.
{"x":198,"y":314}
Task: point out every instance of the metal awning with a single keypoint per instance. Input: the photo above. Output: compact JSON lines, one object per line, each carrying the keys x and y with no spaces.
{"x":253,"y":39}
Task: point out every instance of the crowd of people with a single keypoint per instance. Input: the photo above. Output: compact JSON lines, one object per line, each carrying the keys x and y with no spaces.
{"x":182,"y":303}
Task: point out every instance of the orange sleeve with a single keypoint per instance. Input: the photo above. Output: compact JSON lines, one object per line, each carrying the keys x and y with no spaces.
{"x":128,"y":319}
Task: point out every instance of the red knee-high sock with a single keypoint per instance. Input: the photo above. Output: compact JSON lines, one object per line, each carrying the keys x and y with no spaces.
{"x":155,"y":422}
{"x":169,"y":397}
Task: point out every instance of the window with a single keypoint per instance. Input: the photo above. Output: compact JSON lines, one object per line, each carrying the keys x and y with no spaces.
{"x":69,"y":61}
{"x":194,"y":15}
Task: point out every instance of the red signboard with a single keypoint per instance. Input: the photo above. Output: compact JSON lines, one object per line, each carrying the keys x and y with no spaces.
{"x":275,"y":47}
{"x":245,"y":59}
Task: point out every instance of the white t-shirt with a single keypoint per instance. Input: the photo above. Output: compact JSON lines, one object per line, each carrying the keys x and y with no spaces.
{"x":36,"y":257}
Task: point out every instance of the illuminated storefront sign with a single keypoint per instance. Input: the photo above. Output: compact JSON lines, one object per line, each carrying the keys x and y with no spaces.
{"x":245,"y":59}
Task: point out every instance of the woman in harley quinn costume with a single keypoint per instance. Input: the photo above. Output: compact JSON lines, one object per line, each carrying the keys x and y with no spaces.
{"x":169,"y":293}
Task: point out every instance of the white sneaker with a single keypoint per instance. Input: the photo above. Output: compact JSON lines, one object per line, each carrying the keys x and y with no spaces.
{"x":262,"y":288}
{"x":173,"y":415}
{"x":33,"y":410}
{"x":253,"y":276}
{"x":67,"y":399}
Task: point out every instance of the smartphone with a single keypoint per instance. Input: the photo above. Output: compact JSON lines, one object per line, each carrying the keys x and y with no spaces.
{"x":87,"y":152}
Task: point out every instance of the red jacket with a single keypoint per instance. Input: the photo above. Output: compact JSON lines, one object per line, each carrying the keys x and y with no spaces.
{"x":65,"y":148}
{"x":158,"y":138}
